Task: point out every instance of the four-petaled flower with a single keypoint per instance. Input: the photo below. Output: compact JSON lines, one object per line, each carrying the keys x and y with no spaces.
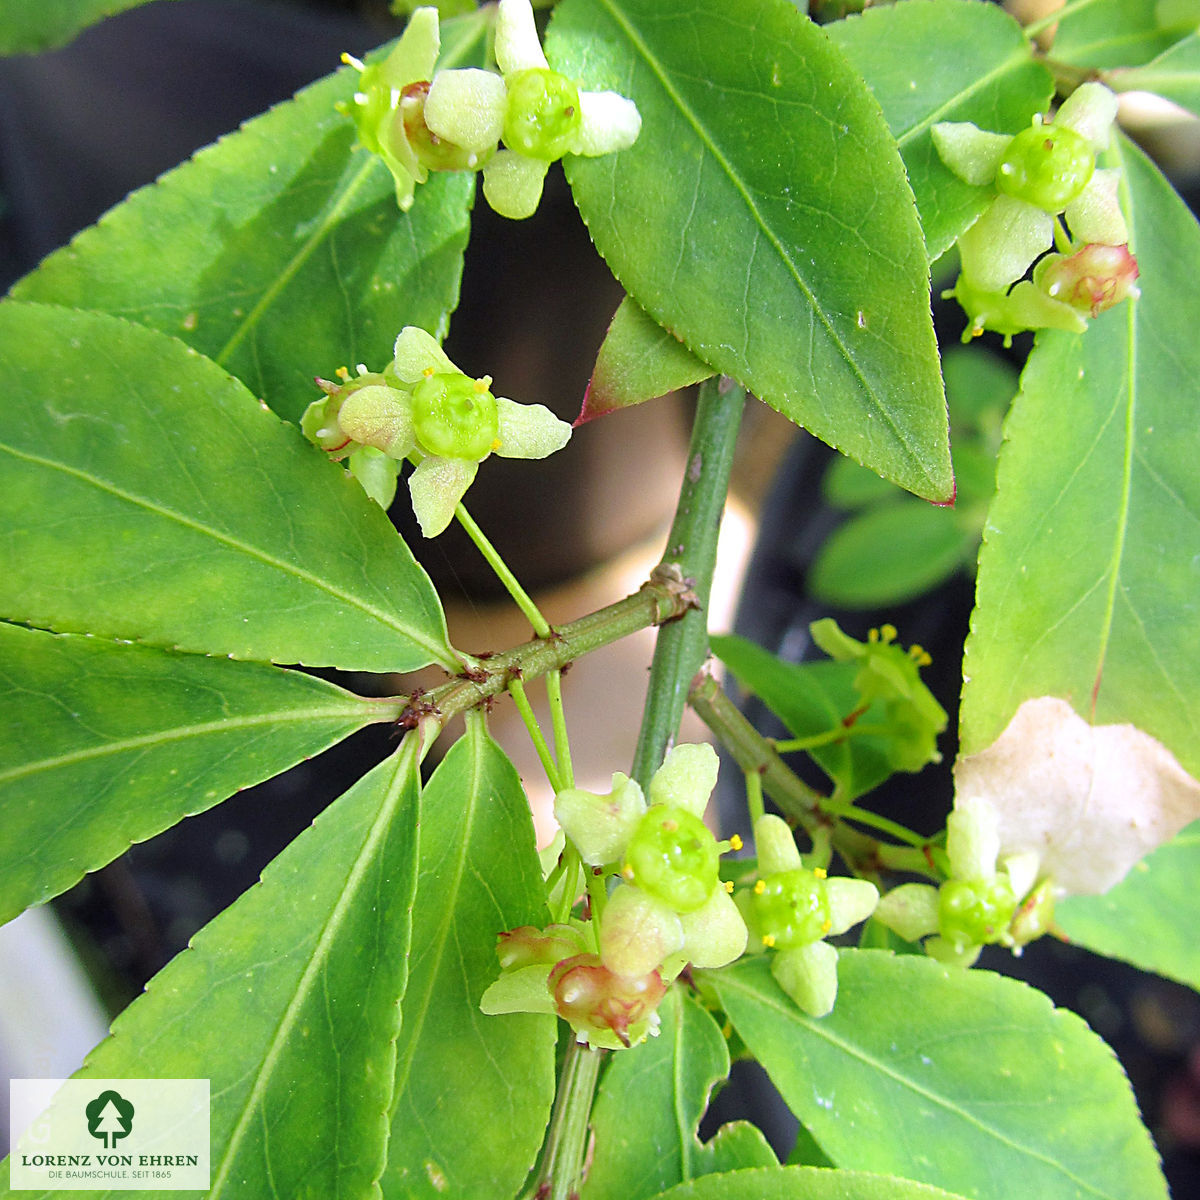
{"x":1041,"y":173}
{"x":424,"y":409}
{"x":539,"y":114}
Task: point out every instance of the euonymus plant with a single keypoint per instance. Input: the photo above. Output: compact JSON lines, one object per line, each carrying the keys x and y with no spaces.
{"x":413,"y":1001}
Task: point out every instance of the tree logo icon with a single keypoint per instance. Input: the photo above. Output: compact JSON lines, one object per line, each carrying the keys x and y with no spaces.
{"x":109,"y":1117}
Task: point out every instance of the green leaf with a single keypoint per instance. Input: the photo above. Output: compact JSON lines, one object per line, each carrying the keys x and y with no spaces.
{"x":1118,"y":33}
{"x":104,"y":745}
{"x":944,"y":60}
{"x":149,"y":497}
{"x":810,"y":699}
{"x":847,"y":485}
{"x":650,"y":1105}
{"x":1092,"y":546}
{"x":638,"y":361}
{"x":288,"y":1003}
{"x":1174,"y":74}
{"x":763,"y":218}
{"x":961,"y":1079}
{"x":278,"y":252}
{"x":1150,"y":917}
{"x":457,"y":1069}
{"x":802,"y":1183}
{"x":888,"y":555}
{"x":27,"y":26}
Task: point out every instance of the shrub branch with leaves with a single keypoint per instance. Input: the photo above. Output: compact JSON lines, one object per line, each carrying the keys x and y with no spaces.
{"x":411,"y":979}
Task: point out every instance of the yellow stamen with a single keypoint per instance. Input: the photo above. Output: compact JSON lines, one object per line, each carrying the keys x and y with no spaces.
{"x":760,"y":887}
{"x":729,"y":886}
{"x":820,"y":872}
{"x":342,"y":373}
{"x":735,"y":842}
{"x":496,"y":444}
{"x":428,"y":372}
{"x":827,"y":926}
{"x":768,"y":939}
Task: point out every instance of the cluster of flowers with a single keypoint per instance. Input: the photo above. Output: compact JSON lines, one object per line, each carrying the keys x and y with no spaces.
{"x":418,"y":120}
{"x":669,"y":907}
{"x":1044,"y":173}
{"x":423,"y":409}
{"x":986,"y":901}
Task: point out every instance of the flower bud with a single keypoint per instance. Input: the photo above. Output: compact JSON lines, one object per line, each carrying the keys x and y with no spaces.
{"x":1092,"y":279}
{"x":606,"y":1009}
{"x":528,"y":944}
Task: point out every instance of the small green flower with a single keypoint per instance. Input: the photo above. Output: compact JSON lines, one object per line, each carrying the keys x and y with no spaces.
{"x":890,"y":675}
{"x":540,"y":115}
{"x":389,"y":110}
{"x":983,"y":902}
{"x":424,"y":409}
{"x":792,"y":908}
{"x":1044,"y":171}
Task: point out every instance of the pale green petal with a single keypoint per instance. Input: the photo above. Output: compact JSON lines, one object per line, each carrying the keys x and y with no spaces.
{"x":528,"y":430}
{"x":466,"y":107}
{"x":416,"y":352}
{"x":376,"y":472}
{"x":436,"y":487}
{"x":1023,"y":870}
{"x":600,"y":825}
{"x":414,"y":55}
{"x":686,"y":778}
{"x":512,"y":184}
{"x":609,"y":123}
{"x":715,"y":934}
{"x":379,"y":416}
{"x":1090,"y":111}
{"x":951,"y":953}
{"x":973,"y":838}
{"x":911,"y":910}
{"x":999,"y":247}
{"x":517,"y":46}
{"x":850,"y":901}
{"x":523,"y":990}
{"x":971,"y":153}
{"x":809,"y":975}
{"x":1095,"y":214}
{"x":637,"y":932}
{"x":775,"y":845}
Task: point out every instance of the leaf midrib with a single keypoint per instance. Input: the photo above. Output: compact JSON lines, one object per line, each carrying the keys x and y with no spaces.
{"x":180,"y":733}
{"x":437,"y":653}
{"x":822,"y":1031}
{"x":688,"y":114}
{"x":404,"y":765}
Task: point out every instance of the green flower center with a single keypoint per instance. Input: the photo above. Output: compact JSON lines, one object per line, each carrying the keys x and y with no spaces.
{"x":543,"y":116}
{"x":1047,"y":166}
{"x":673,"y":857}
{"x":455,"y":417}
{"x":975,"y":912}
{"x":791,"y":908}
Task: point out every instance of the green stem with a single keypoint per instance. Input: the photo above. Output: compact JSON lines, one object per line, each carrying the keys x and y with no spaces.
{"x":566,"y":1140}
{"x":754,"y":796}
{"x":654,"y":603}
{"x":851,"y":812}
{"x":562,"y":743}
{"x":511,"y":584}
{"x":691,"y":555}
{"x":1062,"y":243}
{"x":836,"y":734}
{"x":516,"y":689}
